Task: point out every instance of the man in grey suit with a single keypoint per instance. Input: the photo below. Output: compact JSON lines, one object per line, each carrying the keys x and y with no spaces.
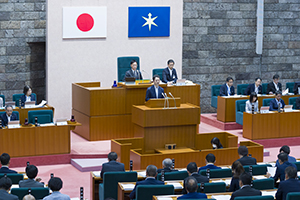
{"x":31,"y":172}
{"x":5,"y":185}
{"x":112,"y":165}
{"x":55,"y":184}
{"x":133,"y":72}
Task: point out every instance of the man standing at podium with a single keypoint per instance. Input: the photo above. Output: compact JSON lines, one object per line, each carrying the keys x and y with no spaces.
{"x":155,"y":91}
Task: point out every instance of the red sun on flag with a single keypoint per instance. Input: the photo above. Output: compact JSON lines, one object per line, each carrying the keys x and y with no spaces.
{"x":85,"y":22}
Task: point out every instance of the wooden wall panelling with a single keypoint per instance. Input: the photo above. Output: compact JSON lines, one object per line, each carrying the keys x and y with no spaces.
{"x":265,"y":126}
{"x":81,"y":99}
{"x":289,"y":126}
{"x":84,"y":129}
{"x":187,"y":93}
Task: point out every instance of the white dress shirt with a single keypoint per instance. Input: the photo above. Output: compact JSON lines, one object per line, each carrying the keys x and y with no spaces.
{"x":228,"y":90}
{"x":256,"y":89}
{"x":276,"y":86}
{"x":156,"y":91}
{"x":28,"y":98}
{"x":8,"y":118}
{"x":170,"y":70}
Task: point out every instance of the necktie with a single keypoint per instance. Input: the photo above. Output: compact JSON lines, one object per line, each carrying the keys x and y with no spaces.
{"x":135,"y":75}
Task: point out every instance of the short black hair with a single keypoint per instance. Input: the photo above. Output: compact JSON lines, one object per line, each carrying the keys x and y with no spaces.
{"x":191,"y":184}
{"x":192,"y":167}
{"x":112,"y":156}
{"x":258,"y":78}
{"x":217,"y":142}
{"x":253,"y":94}
{"x":170,"y":61}
{"x":26,"y":88}
{"x":243,"y":150}
{"x":278,"y":92}
{"x":31,"y":171}
{"x":291,"y":172}
{"x":151,"y":170}
{"x":55,"y":184}
{"x":8,"y":106}
{"x":5,"y":158}
{"x":133,"y":61}
{"x":210,"y":158}
{"x":5,"y":183}
{"x":283,"y":157}
{"x":285,"y":149}
{"x":246,"y":178}
{"x":155,"y":76}
{"x":276,"y":76}
{"x":228,"y":79}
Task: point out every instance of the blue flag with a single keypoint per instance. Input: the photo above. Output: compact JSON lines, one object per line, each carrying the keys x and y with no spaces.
{"x":148,"y":21}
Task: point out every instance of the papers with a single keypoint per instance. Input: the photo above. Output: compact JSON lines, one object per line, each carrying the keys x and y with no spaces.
{"x":270,"y":193}
{"x":285,"y":92}
{"x":225,"y":167}
{"x":272,"y":170}
{"x":260,"y":177}
{"x":128,"y":187}
{"x":221,"y":197}
{"x":13,"y":126}
{"x":164,"y":198}
{"x":142,"y":174}
{"x":226,"y":181}
{"x":41,"y":104}
{"x":97,"y":173}
{"x":47,"y":124}
{"x":61,"y":123}
{"x":14,"y":186}
{"x":175,"y":184}
{"x":298,"y":173}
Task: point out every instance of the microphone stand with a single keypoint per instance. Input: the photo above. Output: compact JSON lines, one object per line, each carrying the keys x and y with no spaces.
{"x":147,"y":74}
{"x":173,"y":99}
{"x":167,"y":100}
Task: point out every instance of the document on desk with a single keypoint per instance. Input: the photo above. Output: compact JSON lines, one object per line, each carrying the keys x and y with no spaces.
{"x":259,"y":177}
{"x":97,"y":173}
{"x":142,"y":174}
{"x":164,"y":198}
{"x":47,"y":124}
{"x":175,"y":184}
{"x":269,"y":193}
{"x":128,"y":187}
{"x":272,"y":170}
{"x":221,"y":197}
{"x":226,"y":181}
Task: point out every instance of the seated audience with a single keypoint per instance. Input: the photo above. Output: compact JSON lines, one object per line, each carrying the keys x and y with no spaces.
{"x":216,"y":144}
{"x":27,"y":96}
{"x":274,"y":86}
{"x":133,"y":72}
{"x":246,"y":190}
{"x":5,"y":185}
{"x":237,"y":170}
{"x":155,"y":91}
{"x":191,"y":186}
{"x":28,"y":197}
{"x":283,"y":164}
{"x":31,"y":172}
{"x":192,"y":171}
{"x":210,"y":160}
{"x":253,"y":100}
{"x":244,"y":158}
{"x":151,"y":173}
{"x":112,"y":165}
{"x":5,"y":161}
{"x":291,"y":184}
{"x":296,"y":88}
{"x":227,"y":89}
{"x":298,"y":103}
{"x":167,"y":166}
{"x":55,"y":184}
{"x":286,"y":149}
{"x":255,"y":87}
{"x":277,"y":102}
{"x":8,"y":115}
{"x":169,"y":74}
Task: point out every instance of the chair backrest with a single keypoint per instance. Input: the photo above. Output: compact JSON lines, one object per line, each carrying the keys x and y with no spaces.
{"x":15,"y":112}
{"x":257,"y":169}
{"x":263,"y":184}
{"x":217,"y":173}
{"x":297,"y":165}
{"x":255,"y":198}
{"x":266,"y":102}
{"x":264,"y":88}
{"x":290,"y":85}
{"x":124,"y":65}
{"x":15,"y":178}
{"x":3,"y":98}
{"x":177,"y":175}
{"x":215,"y":90}
{"x":146,"y":192}
{"x":38,"y":193}
{"x":293,"y":196}
{"x":158,"y":71}
{"x":292,"y":101}
{"x":16,"y":98}
{"x":111,"y":179}
{"x":240,"y":105}
{"x":241,"y":89}
{"x":44,"y":116}
{"x":212,"y":187}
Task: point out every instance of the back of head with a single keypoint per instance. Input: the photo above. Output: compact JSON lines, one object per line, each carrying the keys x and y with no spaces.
{"x":5,"y":183}
{"x":191,"y":184}
{"x":5,"y":158}
{"x":210,"y":158}
{"x":243,"y":150}
{"x":291,"y":172}
{"x":55,"y":184}
{"x":252,"y":95}
{"x":246,"y":178}
{"x":237,"y":168}
{"x":151,"y":170}
{"x":28,"y":197}
{"x":285,"y":149}
{"x":167,"y":163}
{"x":278,"y":92}
{"x":192,"y":167}
{"x":112,"y":156}
{"x":283,"y":157}
{"x":31,"y":171}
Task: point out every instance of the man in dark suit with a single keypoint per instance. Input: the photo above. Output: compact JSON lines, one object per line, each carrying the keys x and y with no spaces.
{"x":5,"y":161}
{"x":191,"y":186}
{"x":169,"y":74}
{"x":112,"y":165}
{"x":286,"y":149}
{"x":227,"y":89}
{"x":274,"y":86}
{"x":8,"y":116}
{"x":255,"y":87}
{"x":133,"y":72}
{"x":192,"y":171}
{"x":31,"y":172}
{"x":296,"y":86}
{"x":210,"y":161}
{"x":298,"y":103}
{"x":167,"y":166}
{"x":151,"y":173}
{"x":5,"y":185}
{"x":155,"y":91}
{"x":277,"y":102}
{"x":291,"y":184}
{"x":246,"y":190}
{"x":244,"y":158}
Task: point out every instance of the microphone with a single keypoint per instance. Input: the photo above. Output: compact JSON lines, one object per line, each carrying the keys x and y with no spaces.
{"x":167,"y":100}
{"x":146,"y":73}
{"x":173,"y":99}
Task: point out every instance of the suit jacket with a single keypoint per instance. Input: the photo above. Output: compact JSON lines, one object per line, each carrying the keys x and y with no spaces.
{"x":251,"y":88}
{"x":248,"y":106}
{"x":23,"y":99}
{"x":130,"y":73}
{"x":298,"y":103}
{"x":30,"y":183}
{"x":112,"y":166}
{"x":166,"y":75}
{"x":280,"y":171}
{"x":4,"y":195}
{"x":271,"y":87}
{"x":245,"y":191}
{"x":285,"y":187}
{"x":6,"y":170}
{"x":296,"y":85}
{"x":166,"y":170}
{"x":150,"y":94}
{"x":148,"y":181}
{"x":57,"y":195}
{"x":5,"y":120}
{"x":234,"y":184}
{"x":274,"y":105}
{"x":246,"y":160}
{"x":208,"y":166}
{"x":193,"y":195}
{"x":291,"y":159}
{"x":198,"y":177}
{"x":223,"y":90}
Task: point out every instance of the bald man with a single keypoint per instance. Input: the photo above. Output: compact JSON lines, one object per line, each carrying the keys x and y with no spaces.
{"x":28,"y":197}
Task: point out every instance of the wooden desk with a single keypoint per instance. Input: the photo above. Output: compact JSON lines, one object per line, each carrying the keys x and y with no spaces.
{"x":271,"y":125}
{"x":226,"y":105}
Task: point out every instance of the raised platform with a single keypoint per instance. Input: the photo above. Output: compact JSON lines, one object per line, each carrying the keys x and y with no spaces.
{"x":278,"y":142}
{"x":211,"y":119}
{"x":86,"y":165}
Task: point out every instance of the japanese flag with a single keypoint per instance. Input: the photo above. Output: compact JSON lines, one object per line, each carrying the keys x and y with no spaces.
{"x":84,"y":22}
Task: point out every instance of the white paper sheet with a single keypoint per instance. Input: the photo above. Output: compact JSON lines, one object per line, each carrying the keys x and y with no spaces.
{"x":272,"y":170}
{"x":47,"y":124}
{"x":142,"y":174}
{"x":226,"y":181}
{"x":176,"y":185}
{"x":266,"y":193}
{"x":259,"y":177}
{"x":128,"y":187}
{"x":97,"y":173}
{"x":221,"y":197}
{"x":164,"y":198}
